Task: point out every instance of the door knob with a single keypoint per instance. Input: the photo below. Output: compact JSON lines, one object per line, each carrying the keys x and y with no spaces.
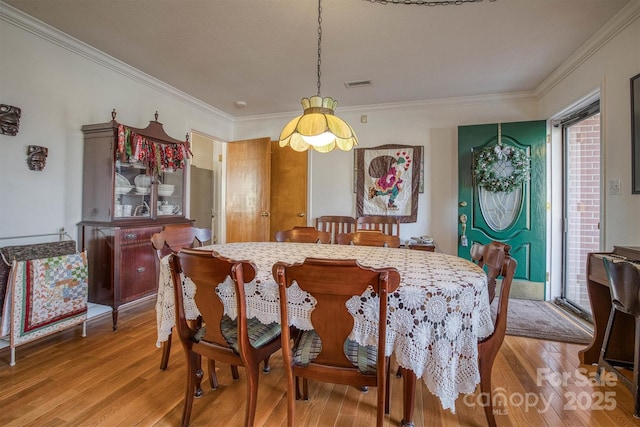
{"x":301,"y":214}
{"x":264,"y":214}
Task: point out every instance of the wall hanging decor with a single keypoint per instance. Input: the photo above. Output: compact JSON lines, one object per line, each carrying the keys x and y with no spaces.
{"x":37,"y":157}
{"x":388,"y":180}
{"x":9,"y":119}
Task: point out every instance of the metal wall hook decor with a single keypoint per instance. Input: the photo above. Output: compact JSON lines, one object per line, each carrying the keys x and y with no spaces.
{"x":9,"y":119}
{"x":37,"y":157}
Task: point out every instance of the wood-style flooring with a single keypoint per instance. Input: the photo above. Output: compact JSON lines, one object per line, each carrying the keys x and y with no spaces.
{"x":113,"y":379}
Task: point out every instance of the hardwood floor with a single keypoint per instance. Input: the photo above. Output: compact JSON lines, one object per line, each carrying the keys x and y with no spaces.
{"x":113,"y":378}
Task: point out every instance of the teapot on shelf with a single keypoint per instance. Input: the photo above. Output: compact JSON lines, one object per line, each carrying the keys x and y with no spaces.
{"x":165,"y":208}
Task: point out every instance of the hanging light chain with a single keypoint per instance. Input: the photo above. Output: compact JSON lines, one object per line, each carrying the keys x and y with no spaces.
{"x":319,"y":41}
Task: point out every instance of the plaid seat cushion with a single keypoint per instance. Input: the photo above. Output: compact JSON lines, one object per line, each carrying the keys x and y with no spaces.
{"x":309,"y":346}
{"x":259,"y":333}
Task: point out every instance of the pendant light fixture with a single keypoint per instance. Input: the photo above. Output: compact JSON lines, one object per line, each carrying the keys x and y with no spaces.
{"x":318,"y":127}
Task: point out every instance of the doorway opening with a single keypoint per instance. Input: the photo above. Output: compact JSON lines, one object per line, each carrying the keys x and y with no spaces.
{"x":581,"y":203}
{"x":204,"y":183}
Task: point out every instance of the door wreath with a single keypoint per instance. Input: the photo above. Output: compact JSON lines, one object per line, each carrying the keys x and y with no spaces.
{"x":491,"y":162}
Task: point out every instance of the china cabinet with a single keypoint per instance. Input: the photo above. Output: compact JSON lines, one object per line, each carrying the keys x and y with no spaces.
{"x":133,"y":184}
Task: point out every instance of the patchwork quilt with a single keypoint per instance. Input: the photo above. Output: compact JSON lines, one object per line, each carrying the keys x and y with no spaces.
{"x":26,"y":252}
{"x":45,"y":296}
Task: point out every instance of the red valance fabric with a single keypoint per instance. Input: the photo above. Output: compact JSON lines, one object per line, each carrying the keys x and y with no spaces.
{"x":155,"y":156}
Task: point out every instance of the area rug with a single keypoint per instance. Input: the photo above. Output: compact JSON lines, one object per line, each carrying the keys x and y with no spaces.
{"x":544,"y":320}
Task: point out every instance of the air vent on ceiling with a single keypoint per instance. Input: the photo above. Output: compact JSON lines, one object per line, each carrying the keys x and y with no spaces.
{"x":358,"y":83}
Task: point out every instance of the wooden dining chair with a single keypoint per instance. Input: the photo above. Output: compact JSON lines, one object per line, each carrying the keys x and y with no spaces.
{"x":171,"y":239}
{"x":497,"y":261}
{"x":490,"y":257}
{"x":336,"y":225}
{"x":368,"y":238}
{"x":387,"y":224}
{"x":238,"y":342}
{"x":326,"y":353}
{"x":624,"y":278}
{"x":303,"y":235}
{"x":174,"y":237}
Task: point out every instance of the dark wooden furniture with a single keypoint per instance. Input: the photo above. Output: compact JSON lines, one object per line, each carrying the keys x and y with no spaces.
{"x":368,"y":238}
{"x":422,"y":247}
{"x":495,"y":258}
{"x":240,"y":342}
{"x":120,"y":212}
{"x":387,"y":224}
{"x":624,"y":282}
{"x":336,"y":224}
{"x":172,"y":239}
{"x":332,"y":283}
{"x":303,"y":235}
{"x":623,"y":330}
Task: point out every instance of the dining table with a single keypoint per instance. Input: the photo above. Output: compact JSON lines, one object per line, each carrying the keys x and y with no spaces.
{"x":435,"y":317}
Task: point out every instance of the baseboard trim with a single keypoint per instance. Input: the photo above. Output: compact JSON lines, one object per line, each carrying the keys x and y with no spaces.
{"x":525,"y":289}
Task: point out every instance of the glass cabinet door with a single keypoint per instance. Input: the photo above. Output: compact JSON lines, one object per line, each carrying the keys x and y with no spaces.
{"x":133,"y":193}
{"x":170,"y":186}
{"x":141,"y":195}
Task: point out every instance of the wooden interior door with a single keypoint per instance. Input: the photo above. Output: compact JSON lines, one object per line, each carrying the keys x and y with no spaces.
{"x":288,"y":188}
{"x":248,"y":182}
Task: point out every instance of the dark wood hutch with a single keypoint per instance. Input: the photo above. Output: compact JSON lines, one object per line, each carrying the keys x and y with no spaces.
{"x":133,"y":184}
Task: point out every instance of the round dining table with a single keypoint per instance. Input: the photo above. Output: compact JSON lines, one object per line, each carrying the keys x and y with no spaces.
{"x":436,"y":317}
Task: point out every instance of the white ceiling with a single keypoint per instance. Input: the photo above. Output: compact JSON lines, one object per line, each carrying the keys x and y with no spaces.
{"x":264,"y":52}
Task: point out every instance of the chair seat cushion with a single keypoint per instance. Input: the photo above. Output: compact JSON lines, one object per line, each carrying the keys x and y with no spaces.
{"x":259,"y":333}
{"x":309,"y":345}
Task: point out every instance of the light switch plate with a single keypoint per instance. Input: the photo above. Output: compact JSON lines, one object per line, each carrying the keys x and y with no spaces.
{"x":614,"y":186}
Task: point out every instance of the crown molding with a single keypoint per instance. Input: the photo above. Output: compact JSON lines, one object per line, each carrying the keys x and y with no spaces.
{"x":46,"y":32}
{"x":529,"y":96}
{"x":625,"y":17}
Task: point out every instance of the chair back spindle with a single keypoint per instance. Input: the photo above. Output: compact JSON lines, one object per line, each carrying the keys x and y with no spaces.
{"x":387,"y":224}
{"x":335,"y":225}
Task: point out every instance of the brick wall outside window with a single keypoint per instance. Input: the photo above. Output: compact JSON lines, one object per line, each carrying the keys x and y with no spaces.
{"x":582,"y":205}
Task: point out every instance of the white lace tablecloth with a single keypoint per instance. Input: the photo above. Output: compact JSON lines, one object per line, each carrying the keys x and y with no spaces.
{"x":436,"y":316}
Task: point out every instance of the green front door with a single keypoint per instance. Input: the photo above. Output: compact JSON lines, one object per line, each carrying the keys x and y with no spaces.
{"x":516,"y":216}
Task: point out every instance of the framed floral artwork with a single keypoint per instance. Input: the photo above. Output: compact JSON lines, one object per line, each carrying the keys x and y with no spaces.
{"x":388,"y":180}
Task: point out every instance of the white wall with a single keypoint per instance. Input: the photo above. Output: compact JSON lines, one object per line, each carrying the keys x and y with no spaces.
{"x":608,"y":69}
{"x":60,"y":89}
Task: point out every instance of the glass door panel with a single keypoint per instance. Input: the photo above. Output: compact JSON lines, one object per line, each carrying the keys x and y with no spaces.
{"x":581,"y":205}
{"x":133,"y":191}
{"x":170,"y":192}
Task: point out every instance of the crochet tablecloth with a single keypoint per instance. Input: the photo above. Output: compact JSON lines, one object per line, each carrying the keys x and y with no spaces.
{"x":436,"y":316}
